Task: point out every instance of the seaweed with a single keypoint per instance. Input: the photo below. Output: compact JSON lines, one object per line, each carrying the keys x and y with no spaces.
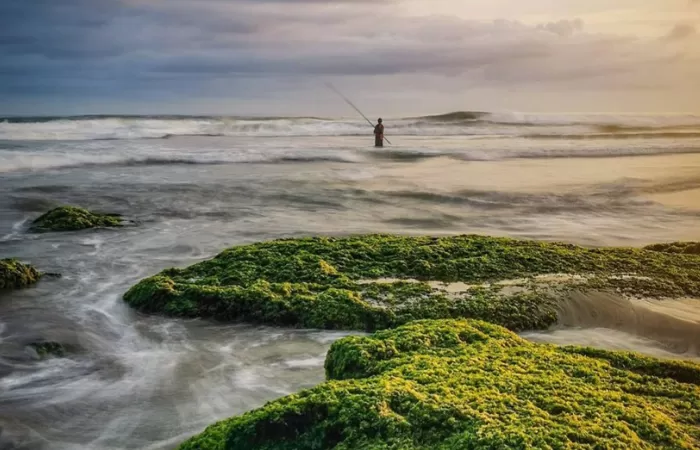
{"x":689,"y":248}
{"x":71,"y":218}
{"x":16,"y":275}
{"x":464,"y":384}
{"x":377,"y":281}
{"x":48,"y":349}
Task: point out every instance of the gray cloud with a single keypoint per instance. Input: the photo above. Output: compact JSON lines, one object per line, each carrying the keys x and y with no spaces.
{"x":135,"y":48}
{"x":563,"y":27}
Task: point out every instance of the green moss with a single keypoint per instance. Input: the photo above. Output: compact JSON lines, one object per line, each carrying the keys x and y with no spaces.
{"x":70,"y":218}
{"x":689,"y":248}
{"x":15,"y":275}
{"x":472,"y":385}
{"x":49,"y":349}
{"x":328,"y":282}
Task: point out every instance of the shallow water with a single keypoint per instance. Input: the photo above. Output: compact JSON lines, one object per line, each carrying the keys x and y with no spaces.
{"x":148,"y":382}
{"x":661,"y":328}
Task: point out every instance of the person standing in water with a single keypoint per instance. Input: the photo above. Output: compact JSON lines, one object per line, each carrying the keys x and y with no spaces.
{"x":379,"y":134}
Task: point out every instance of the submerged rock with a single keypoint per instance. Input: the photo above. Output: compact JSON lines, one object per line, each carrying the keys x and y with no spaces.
{"x":71,"y":218}
{"x":341,"y":283}
{"x":49,"y":349}
{"x":460,"y":384}
{"x":16,"y":275}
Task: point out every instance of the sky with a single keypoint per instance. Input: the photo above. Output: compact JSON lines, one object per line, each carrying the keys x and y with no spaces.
{"x":392,"y":57}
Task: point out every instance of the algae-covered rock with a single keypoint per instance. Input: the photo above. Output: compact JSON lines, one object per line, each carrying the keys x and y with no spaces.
{"x":375,"y":282}
{"x":71,"y":218}
{"x":16,"y":275}
{"x":688,"y":248}
{"x":48,"y":349}
{"x":459,"y":384}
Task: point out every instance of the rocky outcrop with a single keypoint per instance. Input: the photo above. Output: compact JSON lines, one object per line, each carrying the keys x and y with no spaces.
{"x":16,"y":275}
{"x":459,"y":384}
{"x":70,"y":218}
{"x":375,"y":282}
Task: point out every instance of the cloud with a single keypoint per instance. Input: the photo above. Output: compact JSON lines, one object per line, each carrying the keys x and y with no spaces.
{"x":563,"y":27}
{"x":681,"y":32}
{"x":187,"y":48}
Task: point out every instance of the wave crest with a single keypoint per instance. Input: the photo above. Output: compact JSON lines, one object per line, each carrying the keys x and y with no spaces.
{"x":35,"y":163}
{"x":460,"y":123}
{"x":457,"y":116}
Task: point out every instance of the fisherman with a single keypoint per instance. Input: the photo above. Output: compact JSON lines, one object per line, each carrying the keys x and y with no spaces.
{"x":379,"y":134}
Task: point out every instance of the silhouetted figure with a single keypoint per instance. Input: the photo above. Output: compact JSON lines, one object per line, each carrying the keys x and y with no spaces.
{"x":379,"y":134}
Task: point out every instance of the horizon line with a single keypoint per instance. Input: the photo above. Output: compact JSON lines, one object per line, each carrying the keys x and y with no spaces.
{"x":302,"y":116}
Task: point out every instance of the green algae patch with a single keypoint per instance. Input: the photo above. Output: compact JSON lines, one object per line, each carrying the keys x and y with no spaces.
{"x":16,"y":275}
{"x":49,"y":349}
{"x":341,"y":283}
{"x":71,"y":218}
{"x":688,"y":248}
{"x":463,"y":384}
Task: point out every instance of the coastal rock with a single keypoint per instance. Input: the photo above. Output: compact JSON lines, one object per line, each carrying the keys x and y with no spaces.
{"x":461,"y":384}
{"x":375,"y":282}
{"x":16,"y":275}
{"x":71,"y":218}
{"x":688,"y":248}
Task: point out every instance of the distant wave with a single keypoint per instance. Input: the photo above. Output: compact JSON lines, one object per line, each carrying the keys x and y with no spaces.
{"x":158,"y":127}
{"x":307,"y":159}
{"x":627,"y":135}
{"x":34,"y":163}
{"x":617,"y":128}
{"x":38,"y":162}
{"x":165,"y":136}
{"x":458,"y":116}
{"x":173,"y":117}
{"x":168,"y":136}
{"x":486,"y":200}
{"x":473,"y":124}
{"x":574,"y":153}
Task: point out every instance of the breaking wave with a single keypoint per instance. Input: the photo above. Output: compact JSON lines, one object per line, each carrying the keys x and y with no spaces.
{"x":43,"y":161}
{"x":458,"y":116}
{"x":34,"y":163}
{"x":460,"y":123}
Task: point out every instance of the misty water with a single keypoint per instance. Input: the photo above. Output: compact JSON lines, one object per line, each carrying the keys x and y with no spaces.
{"x":138,"y":382}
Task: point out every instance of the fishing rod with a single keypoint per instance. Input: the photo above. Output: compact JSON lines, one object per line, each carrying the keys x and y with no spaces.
{"x":331,"y":87}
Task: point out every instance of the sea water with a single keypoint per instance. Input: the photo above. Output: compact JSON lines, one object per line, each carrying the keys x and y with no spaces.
{"x":197,"y":185}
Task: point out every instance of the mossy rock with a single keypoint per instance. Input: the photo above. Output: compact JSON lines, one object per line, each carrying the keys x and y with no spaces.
{"x":16,"y":275}
{"x":71,"y":218}
{"x":688,"y":248}
{"x":49,"y":349}
{"x":460,"y":384}
{"x":334,"y":283}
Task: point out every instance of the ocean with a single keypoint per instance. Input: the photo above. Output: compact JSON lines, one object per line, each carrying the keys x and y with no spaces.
{"x":196,"y":185}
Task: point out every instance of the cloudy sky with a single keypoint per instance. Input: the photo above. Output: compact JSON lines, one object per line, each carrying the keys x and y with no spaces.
{"x":392,"y":57}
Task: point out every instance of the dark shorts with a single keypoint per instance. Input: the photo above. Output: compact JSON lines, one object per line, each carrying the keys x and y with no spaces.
{"x":378,"y":142}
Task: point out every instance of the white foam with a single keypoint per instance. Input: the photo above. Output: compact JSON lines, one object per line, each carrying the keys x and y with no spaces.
{"x":16,"y":230}
{"x":306,"y":362}
{"x":80,"y":143}
{"x":121,"y":155}
{"x":491,"y":125}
